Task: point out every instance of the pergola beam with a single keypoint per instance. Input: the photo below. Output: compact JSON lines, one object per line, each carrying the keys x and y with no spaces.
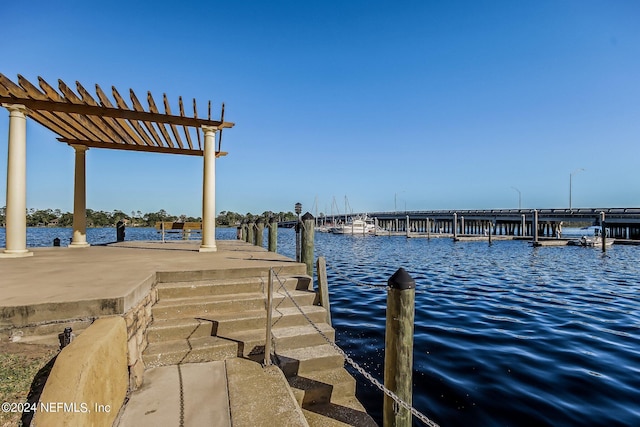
{"x":90,"y":110}
{"x":132,"y":147}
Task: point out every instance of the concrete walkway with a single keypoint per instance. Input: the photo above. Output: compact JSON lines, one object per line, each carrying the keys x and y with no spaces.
{"x":234,"y":392}
{"x":193,"y":394}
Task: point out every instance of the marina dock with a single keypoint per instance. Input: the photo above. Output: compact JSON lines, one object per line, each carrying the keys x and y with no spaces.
{"x":190,"y":327}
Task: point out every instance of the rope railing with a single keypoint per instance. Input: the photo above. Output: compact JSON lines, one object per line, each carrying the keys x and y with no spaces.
{"x":398,"y":401}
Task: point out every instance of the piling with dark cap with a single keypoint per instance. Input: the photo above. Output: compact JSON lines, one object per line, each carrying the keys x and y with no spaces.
{"x":306,"y":250}
{"x":398,"y":350}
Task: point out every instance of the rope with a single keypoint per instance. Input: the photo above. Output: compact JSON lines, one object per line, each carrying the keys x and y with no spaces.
{"x":357,"y":367}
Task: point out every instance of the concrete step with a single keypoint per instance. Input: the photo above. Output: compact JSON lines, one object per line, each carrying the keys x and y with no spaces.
{"x":283,"y":337}
{"x":186,"y":307}
{"x":291,"y":269}
{"x":195,"y":350}
{"x":260,"y":397}
{"x":339,"y":413}
{"x":228,"y":286}
{"x":301,"y":361}
{"x":322,"y":387}
{"x":226,"y":323}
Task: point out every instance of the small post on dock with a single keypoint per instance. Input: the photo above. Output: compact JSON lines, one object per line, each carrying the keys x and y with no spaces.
{"x":323,"y":286}
{"x":259,"y":237}
{"x":534,"y":227}
{"x":398,"y":353}
{"x":273,"y":234}
{"x":603,"y":232}
{"x":306,"y":251}
{"x":251,"y":227}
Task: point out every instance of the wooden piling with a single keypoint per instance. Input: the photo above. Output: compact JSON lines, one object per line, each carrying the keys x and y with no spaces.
{"x":428,"y":229}
{"x":323,"y":286}
{"x":398,"y":353}
{"x":490,"y":231}
{"x":407,"y":227}
{"x":259,"y":236}
{"x":534,"y":227}
{"x":455,"y":226}
{"x":251,"y":232}
{"x":603,"y":232}
{"x":245,"y":231}
{"x":273,"y":235}
{"x":306,"y":250}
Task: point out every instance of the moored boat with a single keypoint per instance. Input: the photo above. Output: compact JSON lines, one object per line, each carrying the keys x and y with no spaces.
{"x":358,"y":225}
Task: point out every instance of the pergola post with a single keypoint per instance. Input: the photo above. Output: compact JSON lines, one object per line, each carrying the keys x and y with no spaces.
{"x":209,"y":191}
{"x":16,"y":213}
{"x":79,"y":239}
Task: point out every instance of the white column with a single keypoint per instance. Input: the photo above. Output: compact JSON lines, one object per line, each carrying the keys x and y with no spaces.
{"x":79,"y":239}
{"x":16,"y":213}
{"x":209,"y":191}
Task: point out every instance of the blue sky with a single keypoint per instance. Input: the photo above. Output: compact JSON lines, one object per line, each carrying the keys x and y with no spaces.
{"x":415,"y":104}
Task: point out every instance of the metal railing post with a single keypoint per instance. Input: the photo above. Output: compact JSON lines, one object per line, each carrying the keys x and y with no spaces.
{"x":267,"y":342}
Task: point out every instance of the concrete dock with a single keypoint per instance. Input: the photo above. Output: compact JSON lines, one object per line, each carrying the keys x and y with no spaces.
{"x":212,"y":375}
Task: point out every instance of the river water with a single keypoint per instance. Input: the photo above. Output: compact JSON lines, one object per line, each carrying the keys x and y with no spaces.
{"x":505,"y":334}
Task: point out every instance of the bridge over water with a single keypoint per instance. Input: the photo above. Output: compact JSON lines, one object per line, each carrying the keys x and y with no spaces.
{"x":621,"y":222}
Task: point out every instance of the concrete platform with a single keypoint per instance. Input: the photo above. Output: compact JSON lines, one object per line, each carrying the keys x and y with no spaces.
{"x":61,"y":283}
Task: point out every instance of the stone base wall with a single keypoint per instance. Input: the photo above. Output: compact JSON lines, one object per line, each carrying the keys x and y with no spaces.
{"x":138,"y":319}
{"x":88,"y":382}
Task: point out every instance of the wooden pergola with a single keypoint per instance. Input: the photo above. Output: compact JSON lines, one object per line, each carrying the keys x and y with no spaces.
{"x":84,"y":122}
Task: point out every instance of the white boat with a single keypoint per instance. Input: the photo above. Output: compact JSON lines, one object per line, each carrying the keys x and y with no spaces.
{"x":359,"y":225}
{"x":591,"y":242}
{"x":594,"y":241}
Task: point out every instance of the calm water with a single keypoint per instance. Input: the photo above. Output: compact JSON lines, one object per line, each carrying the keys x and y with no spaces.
{"x":504,"y":334}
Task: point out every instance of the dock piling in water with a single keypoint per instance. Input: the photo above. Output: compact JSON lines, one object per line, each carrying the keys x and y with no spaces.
{"x":306,"y":251}
{"x":273,"y":234}
{"x":323,"y":286}
{"x":603,"y":232}
{"x":398,"y":349}
{"x":259,"y":236}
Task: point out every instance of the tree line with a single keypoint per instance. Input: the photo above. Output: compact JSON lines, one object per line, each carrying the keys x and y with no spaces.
{"x":57,"y":218}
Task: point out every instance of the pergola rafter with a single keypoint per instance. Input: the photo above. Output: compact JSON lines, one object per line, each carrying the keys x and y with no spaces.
{"x":80,"y":119}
